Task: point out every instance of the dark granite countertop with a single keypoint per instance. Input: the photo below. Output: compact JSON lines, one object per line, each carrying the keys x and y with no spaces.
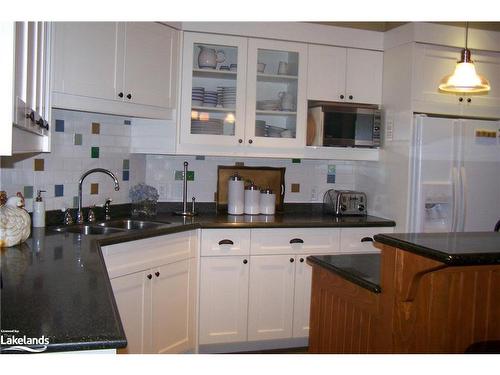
{"x":361,"y":269}
{"x":454,"y":249}
{"x":56,"y":284}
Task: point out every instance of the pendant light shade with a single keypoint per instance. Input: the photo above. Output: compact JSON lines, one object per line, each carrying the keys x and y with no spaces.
{"x":465,"y":78}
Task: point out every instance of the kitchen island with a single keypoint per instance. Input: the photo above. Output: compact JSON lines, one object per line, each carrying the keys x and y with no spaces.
{"x":424,"y":293}
{"x":56,"y":285}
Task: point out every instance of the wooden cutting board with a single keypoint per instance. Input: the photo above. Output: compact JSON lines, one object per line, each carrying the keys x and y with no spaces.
{"x":311,"y":130}
{"x":263,"y":177}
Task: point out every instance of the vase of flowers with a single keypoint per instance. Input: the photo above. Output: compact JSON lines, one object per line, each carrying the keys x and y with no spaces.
{"x":144,"y":200}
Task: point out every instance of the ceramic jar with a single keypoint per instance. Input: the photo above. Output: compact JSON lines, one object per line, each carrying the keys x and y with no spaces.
{"x":267,"y":202}
{"x":209,"y":57}
{"x":252,"y":199}
{"x":235,"y":195}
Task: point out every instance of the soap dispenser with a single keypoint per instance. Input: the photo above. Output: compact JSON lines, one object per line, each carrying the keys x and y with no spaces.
{"x":39,"y":210}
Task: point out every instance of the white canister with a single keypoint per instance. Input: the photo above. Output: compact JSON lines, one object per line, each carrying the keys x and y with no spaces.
{"x":267,"y":202}
{"x":252,"y":200}
{"x":235,"y":195}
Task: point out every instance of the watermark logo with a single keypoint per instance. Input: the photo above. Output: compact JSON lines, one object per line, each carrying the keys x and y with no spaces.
{"x":11,"y":342}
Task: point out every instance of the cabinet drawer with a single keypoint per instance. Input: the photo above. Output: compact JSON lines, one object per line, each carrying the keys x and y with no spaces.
{"x":295,"y":241}
{"x":219,"y":242}
{"x":128,"y":257}
{"x":356,"y":240}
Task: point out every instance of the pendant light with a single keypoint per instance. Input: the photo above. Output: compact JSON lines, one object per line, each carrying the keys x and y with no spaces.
{"x":464,"y":78}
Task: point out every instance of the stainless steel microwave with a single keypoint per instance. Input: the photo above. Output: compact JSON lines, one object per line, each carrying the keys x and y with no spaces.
{"x":343,"y":125}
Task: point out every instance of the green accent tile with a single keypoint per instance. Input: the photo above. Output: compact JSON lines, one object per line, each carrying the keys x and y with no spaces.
{"x":94,"y":152}
{"x":78,"y":139}
{"x":28,"y":192}
{"x":75,"y":202}
{"x":179,"y":175}
{"x":190,"y":175}
{"x":239,"y":164}
{"x":296,"y":161}
{"x":96,"y":128}
{"x":39,"y":165}
{"x":126,"y":164}
{"x":331,"y":168}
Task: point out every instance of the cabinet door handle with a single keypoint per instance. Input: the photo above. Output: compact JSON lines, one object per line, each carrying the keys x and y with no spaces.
{"x":157,"y":274}
{"x":341,"y":96}
{"x":301,"y":260}
{"x":460,"y":99}
{"x":31,"y":116}
{"x":245,"y":261}
{"x":149,"y":276}
{"x":250,"y":141}
{"x":120,"y":94}
{"x":240,"y":140}
{"x":129,"y":96}
{"x":296,"y":240}
{"x":226,"y":242}
{"x":469,"y":100}
{"x":367,"y":239}
{"x":351,"y":97}
{"x":292,"y":260}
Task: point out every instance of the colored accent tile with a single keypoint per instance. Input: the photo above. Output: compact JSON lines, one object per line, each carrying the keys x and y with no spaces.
{"x":96,"y":128}
{"x":331,"y":168}
{"x":126,"y":175}
{"x":94,"y":152}
{"x":295,"y":188}
{"x":94,"y":189}
{"x":126,"y":164}
{"x":179,"y":175}
{"x":75,"y":202}
{"x":60,"y":126}
{"x":78,"y":139}
{"x":200,"y":157}
{"x":296,"y":161}
{"x":58,"y":190}
{"x":190,"y":175}
{"x":39,"y":165}
{"x":127,"y":122}
{"x":28,"y":192}
{"x":330,"y":178}
{"x":239,"y":164}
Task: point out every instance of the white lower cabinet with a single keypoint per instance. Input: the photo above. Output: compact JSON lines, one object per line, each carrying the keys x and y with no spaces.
{"x":270,"y":310}
{"x":360,"y":240}
{"x":302,"y":297}
{"x":223,"y":299}
{"x":154,"y":282}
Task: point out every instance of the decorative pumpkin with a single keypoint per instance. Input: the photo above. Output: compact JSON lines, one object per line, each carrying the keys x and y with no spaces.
{"x":15,"y":222}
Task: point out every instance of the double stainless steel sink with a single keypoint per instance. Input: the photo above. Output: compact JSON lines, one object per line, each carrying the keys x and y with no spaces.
{"x":109,"y":227}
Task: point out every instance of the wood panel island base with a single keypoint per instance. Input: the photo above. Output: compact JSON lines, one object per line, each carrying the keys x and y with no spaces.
{"x":430,"y":293}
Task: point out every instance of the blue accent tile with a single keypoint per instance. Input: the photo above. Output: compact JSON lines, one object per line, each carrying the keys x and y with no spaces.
{"x":330,"y":178}
{"x":60,"y":126}
{"x":59,"y":190}
{"x":200,"y":157}
{"x":127,"y":122}
{"x":126,"y":175}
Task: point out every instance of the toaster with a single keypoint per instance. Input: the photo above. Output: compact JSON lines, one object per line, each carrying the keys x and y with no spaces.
{"x":344,"y":202}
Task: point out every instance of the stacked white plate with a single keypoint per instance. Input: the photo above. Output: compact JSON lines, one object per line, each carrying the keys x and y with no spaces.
{"x":213,"y":127}
{"x":227,"y":96}
{"x":197,"y":96}
{"x":264,"y":130}
{"x":210,"y":99}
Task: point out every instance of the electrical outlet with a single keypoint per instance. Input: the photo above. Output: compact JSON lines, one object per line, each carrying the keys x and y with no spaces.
{"x":314,"y":193}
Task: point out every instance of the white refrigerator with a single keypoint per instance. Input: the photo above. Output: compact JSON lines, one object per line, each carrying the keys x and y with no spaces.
{"x":454,"y":175}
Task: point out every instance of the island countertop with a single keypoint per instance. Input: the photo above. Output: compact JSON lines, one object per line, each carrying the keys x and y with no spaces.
{"x":453,"y":249}
{"x":57,"y":285}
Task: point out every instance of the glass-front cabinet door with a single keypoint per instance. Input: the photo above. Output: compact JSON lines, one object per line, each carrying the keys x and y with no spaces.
{"x":276,"y":104}
{"x":213,"y":89}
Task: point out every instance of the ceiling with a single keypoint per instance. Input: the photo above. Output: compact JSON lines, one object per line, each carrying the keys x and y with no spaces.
{"x":384,"y":26}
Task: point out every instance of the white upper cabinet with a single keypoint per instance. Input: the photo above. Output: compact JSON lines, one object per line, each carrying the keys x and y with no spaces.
{"x":119,"y":68}
{"x":344,"y":75}
{"x":25,"y":81}
{"x":85,"y":56}
{"x":276,"y":106}
{"x":213,"y":95}
{"x":149,"y":65}
{"x":432,"y":63}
